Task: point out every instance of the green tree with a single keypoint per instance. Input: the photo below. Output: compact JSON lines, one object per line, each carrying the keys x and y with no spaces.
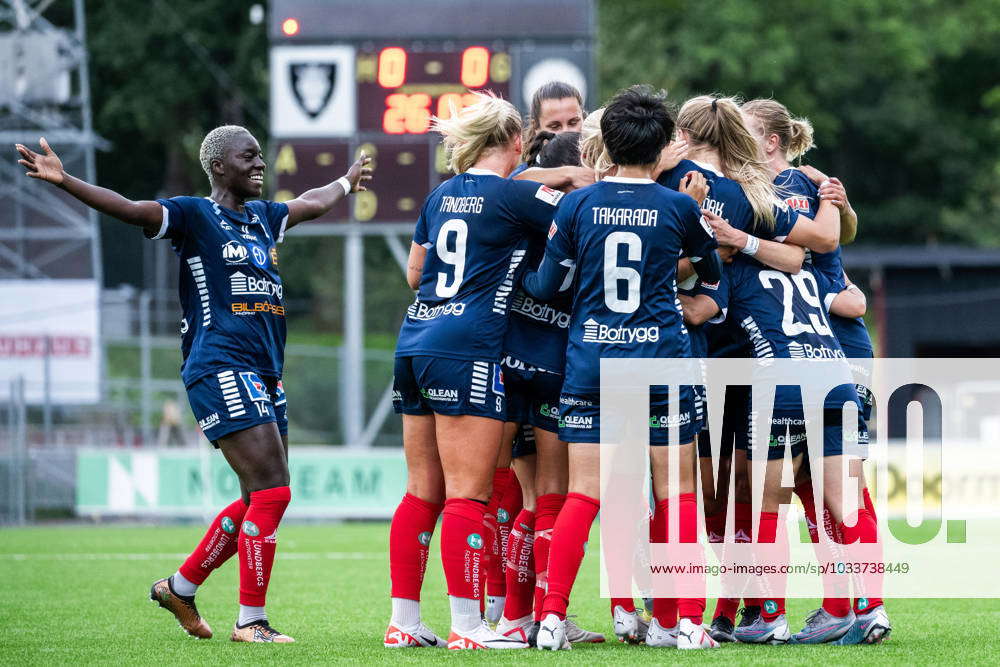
{"x":903,"y":95}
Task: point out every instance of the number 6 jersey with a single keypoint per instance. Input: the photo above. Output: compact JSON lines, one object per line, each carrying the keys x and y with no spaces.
{"x":475,"y":227}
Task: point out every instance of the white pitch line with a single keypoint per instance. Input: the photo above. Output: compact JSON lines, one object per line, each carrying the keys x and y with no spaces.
{"x":328,"y":555}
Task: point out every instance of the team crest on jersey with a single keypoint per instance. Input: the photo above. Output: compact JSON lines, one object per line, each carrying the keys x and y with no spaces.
{"x":548,"y":195}
{"x":798,"y":203}
{"x":497,"y":379}
{"x":255,"y":388}
{"x":312,"y":85}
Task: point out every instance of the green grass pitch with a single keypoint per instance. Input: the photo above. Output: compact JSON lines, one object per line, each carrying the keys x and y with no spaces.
{"x":78,"y":594}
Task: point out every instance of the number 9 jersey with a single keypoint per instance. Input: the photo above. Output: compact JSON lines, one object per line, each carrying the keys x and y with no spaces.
{"x":474,"y":227}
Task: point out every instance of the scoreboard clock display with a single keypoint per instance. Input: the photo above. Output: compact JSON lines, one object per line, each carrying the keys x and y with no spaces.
{"x":374,"y":83}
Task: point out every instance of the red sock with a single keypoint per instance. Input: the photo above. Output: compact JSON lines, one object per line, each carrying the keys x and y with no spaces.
{"x":628,"y":604}
{"x":507,"y":508}
{"x":409,"y":537}
{"x":257,"y":541}
{"x":569,"y":535}
{"x":547,"y":508}
{"x":805,"y":493}
{"x":770,"y":608}
{"x":462,"y":547}
{"x":664,"y":609}
{"x":519,"y":566}
{"x":744,"y":534}
{"x":690,"y":608}
{"x":865,"y":531}
{"x":863,"y":605}
{"x":715,"y":526}
{"x":217,"y":546}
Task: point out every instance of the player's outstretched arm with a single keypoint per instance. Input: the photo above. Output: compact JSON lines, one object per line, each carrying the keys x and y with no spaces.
{"x":46,"y":166}
{"x":787,"y":257}
{"x":311,"y":204}
{"x":544,"y":283}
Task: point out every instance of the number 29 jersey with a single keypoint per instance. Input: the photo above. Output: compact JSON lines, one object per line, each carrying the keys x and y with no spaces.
{"x":624,"y":237}
{"x":475,"y":228}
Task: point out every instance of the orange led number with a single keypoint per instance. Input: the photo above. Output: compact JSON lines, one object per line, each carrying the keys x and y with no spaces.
{"x":392,"y":67}
{"x":460,"y":101}
{"x":407,"y":114}
{"x":475,"y":66}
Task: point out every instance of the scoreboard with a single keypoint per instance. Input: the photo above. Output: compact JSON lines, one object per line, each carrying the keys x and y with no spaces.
{"x":351,"y":77}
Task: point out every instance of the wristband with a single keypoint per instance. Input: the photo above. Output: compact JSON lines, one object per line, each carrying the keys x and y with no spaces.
{"x":344,"y":183}
{"x":753,"y":243}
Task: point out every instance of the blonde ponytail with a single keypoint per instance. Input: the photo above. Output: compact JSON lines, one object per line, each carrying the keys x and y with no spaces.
{"x":490,"y":122}
{"x":716,"y":122}
{"x":593,"y":154}
{"x":795,"y":134}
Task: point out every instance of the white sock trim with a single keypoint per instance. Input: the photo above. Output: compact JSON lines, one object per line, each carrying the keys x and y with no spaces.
{"x":464,"y":614}
{"x":182,"y":586}
{"x":251,"y":614}
{"x":405,"y":613}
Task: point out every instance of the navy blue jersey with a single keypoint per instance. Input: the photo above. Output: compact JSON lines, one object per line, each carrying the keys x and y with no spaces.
{"x":230,"y":291}
{"x":802,"y":195}
{"x":537,"y":331}
{"x":696,"y":333}
{"x":519,"y":168}
{"x":475,"y":227}
{"x":727,"y":200}
{"x":624,"y":236}
{"x":782,"y":316}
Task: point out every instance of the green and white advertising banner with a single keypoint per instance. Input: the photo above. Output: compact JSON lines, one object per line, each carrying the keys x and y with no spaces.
{"x":326,"y":482}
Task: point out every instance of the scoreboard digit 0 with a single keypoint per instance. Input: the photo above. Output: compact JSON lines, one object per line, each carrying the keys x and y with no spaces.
{"x":374,"y":82}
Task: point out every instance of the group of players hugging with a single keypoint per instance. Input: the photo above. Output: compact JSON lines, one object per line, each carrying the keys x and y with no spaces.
{"x":627,"y":232}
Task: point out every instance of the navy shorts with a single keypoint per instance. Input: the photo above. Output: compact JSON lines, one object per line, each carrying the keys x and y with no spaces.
{"x":453,"y":387}
{"x":532,"y":395}
{"x":234,"y":400}
{"x":788,"y":430}
{"x":524,"y":442}
{"x":580,"y":417}
{"x":735,"y":423}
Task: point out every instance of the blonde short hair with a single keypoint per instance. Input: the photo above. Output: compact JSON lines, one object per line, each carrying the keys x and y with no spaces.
{"x":215,"y":144}
{"x":468,"y":133}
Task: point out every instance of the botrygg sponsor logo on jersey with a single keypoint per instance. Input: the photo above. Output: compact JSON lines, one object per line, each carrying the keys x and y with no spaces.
{"x":539,"y":311}
{"x":595,"y":332}
{"x":241,"y":283}
{"x":421,"y":311}
{"x":807,"y":351}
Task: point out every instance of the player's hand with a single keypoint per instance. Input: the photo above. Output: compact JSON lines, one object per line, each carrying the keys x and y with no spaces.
{"x":834,"y":192}
{"x":725,"y":234}
{"x":695,"y":185}
{"x":45,"y":166}
{"x":812,"y":173}
{"x":726,"y":253}
{"x":672,"y":154}
{"x":359,"y":173}
{"x":581,"y":177}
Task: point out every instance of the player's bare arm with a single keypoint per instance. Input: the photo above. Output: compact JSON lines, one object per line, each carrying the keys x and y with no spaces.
{"x":559,"y":178}
{"x":311,"y":204}
{"x":787,"y":257}
{"x":698,"y":309}
{"x":46,"y":166}
{"x":415,"y":265}
{"x":832,"y":190}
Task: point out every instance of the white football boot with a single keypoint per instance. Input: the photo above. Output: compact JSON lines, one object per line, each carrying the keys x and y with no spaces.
{"x":419,"y":636}
{"x":552,"y":634}
{"x":661,"y":637}
{"x":482,"y":637}
{"x":691,"y":636}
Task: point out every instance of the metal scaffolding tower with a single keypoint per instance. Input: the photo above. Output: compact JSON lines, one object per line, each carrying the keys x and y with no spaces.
{"x":45,"y":91}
